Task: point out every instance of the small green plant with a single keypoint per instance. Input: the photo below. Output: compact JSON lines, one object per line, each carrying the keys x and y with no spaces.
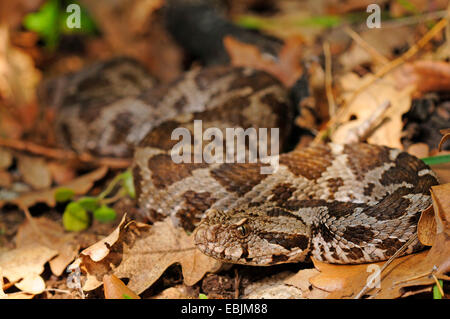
{"x":49,"y":22}
{"x":202,"y":296}
{"x":77,"y":214}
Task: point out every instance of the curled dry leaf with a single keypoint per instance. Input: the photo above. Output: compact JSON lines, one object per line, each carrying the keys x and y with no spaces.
{"x":142,"y":253}
{"x":115,"y":289}
{"x":444,"y":138}
{"x":426,"y":228}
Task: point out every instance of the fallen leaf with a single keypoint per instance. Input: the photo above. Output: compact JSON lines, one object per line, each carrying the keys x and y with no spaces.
{"x":273,"y":287}
{"x":425,"y":76}
{"x":79,"y":185}
{"x":18,"y":81}
{"x":32,"y":284}
{"x":62,"y":173}
{"x":177,"y":292}
{"x":22,"y":262}
{"x":142,"y":253}
{"x":34,"y":171}
{"x":301,"y":279}
{"x":51,"y":235}
{"x":366,"y":103}
{"x":287,"y":68}
{"x":426,"y":227}
{"x":115,"y":289}
{"x":419,"y":150}
{"x":6,"y":158}
{"x":6,"y":179}
{"x":384,"y":43}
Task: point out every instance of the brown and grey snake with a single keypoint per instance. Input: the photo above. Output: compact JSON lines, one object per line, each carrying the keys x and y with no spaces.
{"x":347,"y":204}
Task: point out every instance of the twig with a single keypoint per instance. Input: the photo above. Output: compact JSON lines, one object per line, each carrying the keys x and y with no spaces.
{"x":438,"y":285}
{"x":329,"y":80}
{"x":361,"y":132}
{"x":403,"y":58}
{"x":381,"y":59}
{"x":61,"y":154}
{"x":387,"y":263}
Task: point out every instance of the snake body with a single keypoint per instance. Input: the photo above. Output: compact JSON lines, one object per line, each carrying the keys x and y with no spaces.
{"x":347,"y":204}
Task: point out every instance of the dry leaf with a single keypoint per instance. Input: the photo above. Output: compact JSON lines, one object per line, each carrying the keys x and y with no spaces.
{"x":426,"y":228}
{"x":34,"y":171}
{"x":301,"y":279}
{"x":366,"y":103}
{"x":273,"y":287}
{"x":115,"y":289}
{"x":419,"y":150}
{"x":6,"y":158}
{"x":62,"y":173}
{"x":20,"y":263}
{"x":142,"y":253}
{"x":79,"y":185}
{"x":177,"y":292}
{"x":426,"y":76}
{"x":32,"y":284}
{"x":52,"y":235}
{"x":287,"y":68}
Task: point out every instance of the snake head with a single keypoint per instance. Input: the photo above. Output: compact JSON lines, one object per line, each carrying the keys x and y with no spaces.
{"x":259,"y":237}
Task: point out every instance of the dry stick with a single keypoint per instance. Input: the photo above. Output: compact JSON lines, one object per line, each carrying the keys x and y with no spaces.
{"x":385,"y":70}
{"x":387,"y":263}
{"x":60,"y":154}
{"x":329,"y":80}
{"x":237,"y":283}
{"x":381,"y":59}
{"x":361,"y":132}
{"x":438,"y":285}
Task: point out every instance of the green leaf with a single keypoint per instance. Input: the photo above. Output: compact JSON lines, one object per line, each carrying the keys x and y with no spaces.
{"x":75,"y":217}
{"x":105,"y":214}
{"x":436,"y":292}
{"x":89,"y":203}
{"x":125,"y":296}
{"x":202,"y":296}
{"x":64,"y":194}
{"x":128,"y":183}
{"x":45,"y":22}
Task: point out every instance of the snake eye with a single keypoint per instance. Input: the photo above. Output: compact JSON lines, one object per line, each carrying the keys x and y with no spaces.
{"x":243,"y":231}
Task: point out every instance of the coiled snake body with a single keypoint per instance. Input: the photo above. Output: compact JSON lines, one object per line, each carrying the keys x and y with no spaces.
{"x":351,"y":203}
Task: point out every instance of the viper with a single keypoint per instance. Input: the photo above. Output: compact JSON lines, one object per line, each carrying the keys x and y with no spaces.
{"x":344,"y":204}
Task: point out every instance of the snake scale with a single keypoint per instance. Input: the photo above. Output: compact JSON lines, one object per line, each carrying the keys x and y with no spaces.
{"x":345,"y":204}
